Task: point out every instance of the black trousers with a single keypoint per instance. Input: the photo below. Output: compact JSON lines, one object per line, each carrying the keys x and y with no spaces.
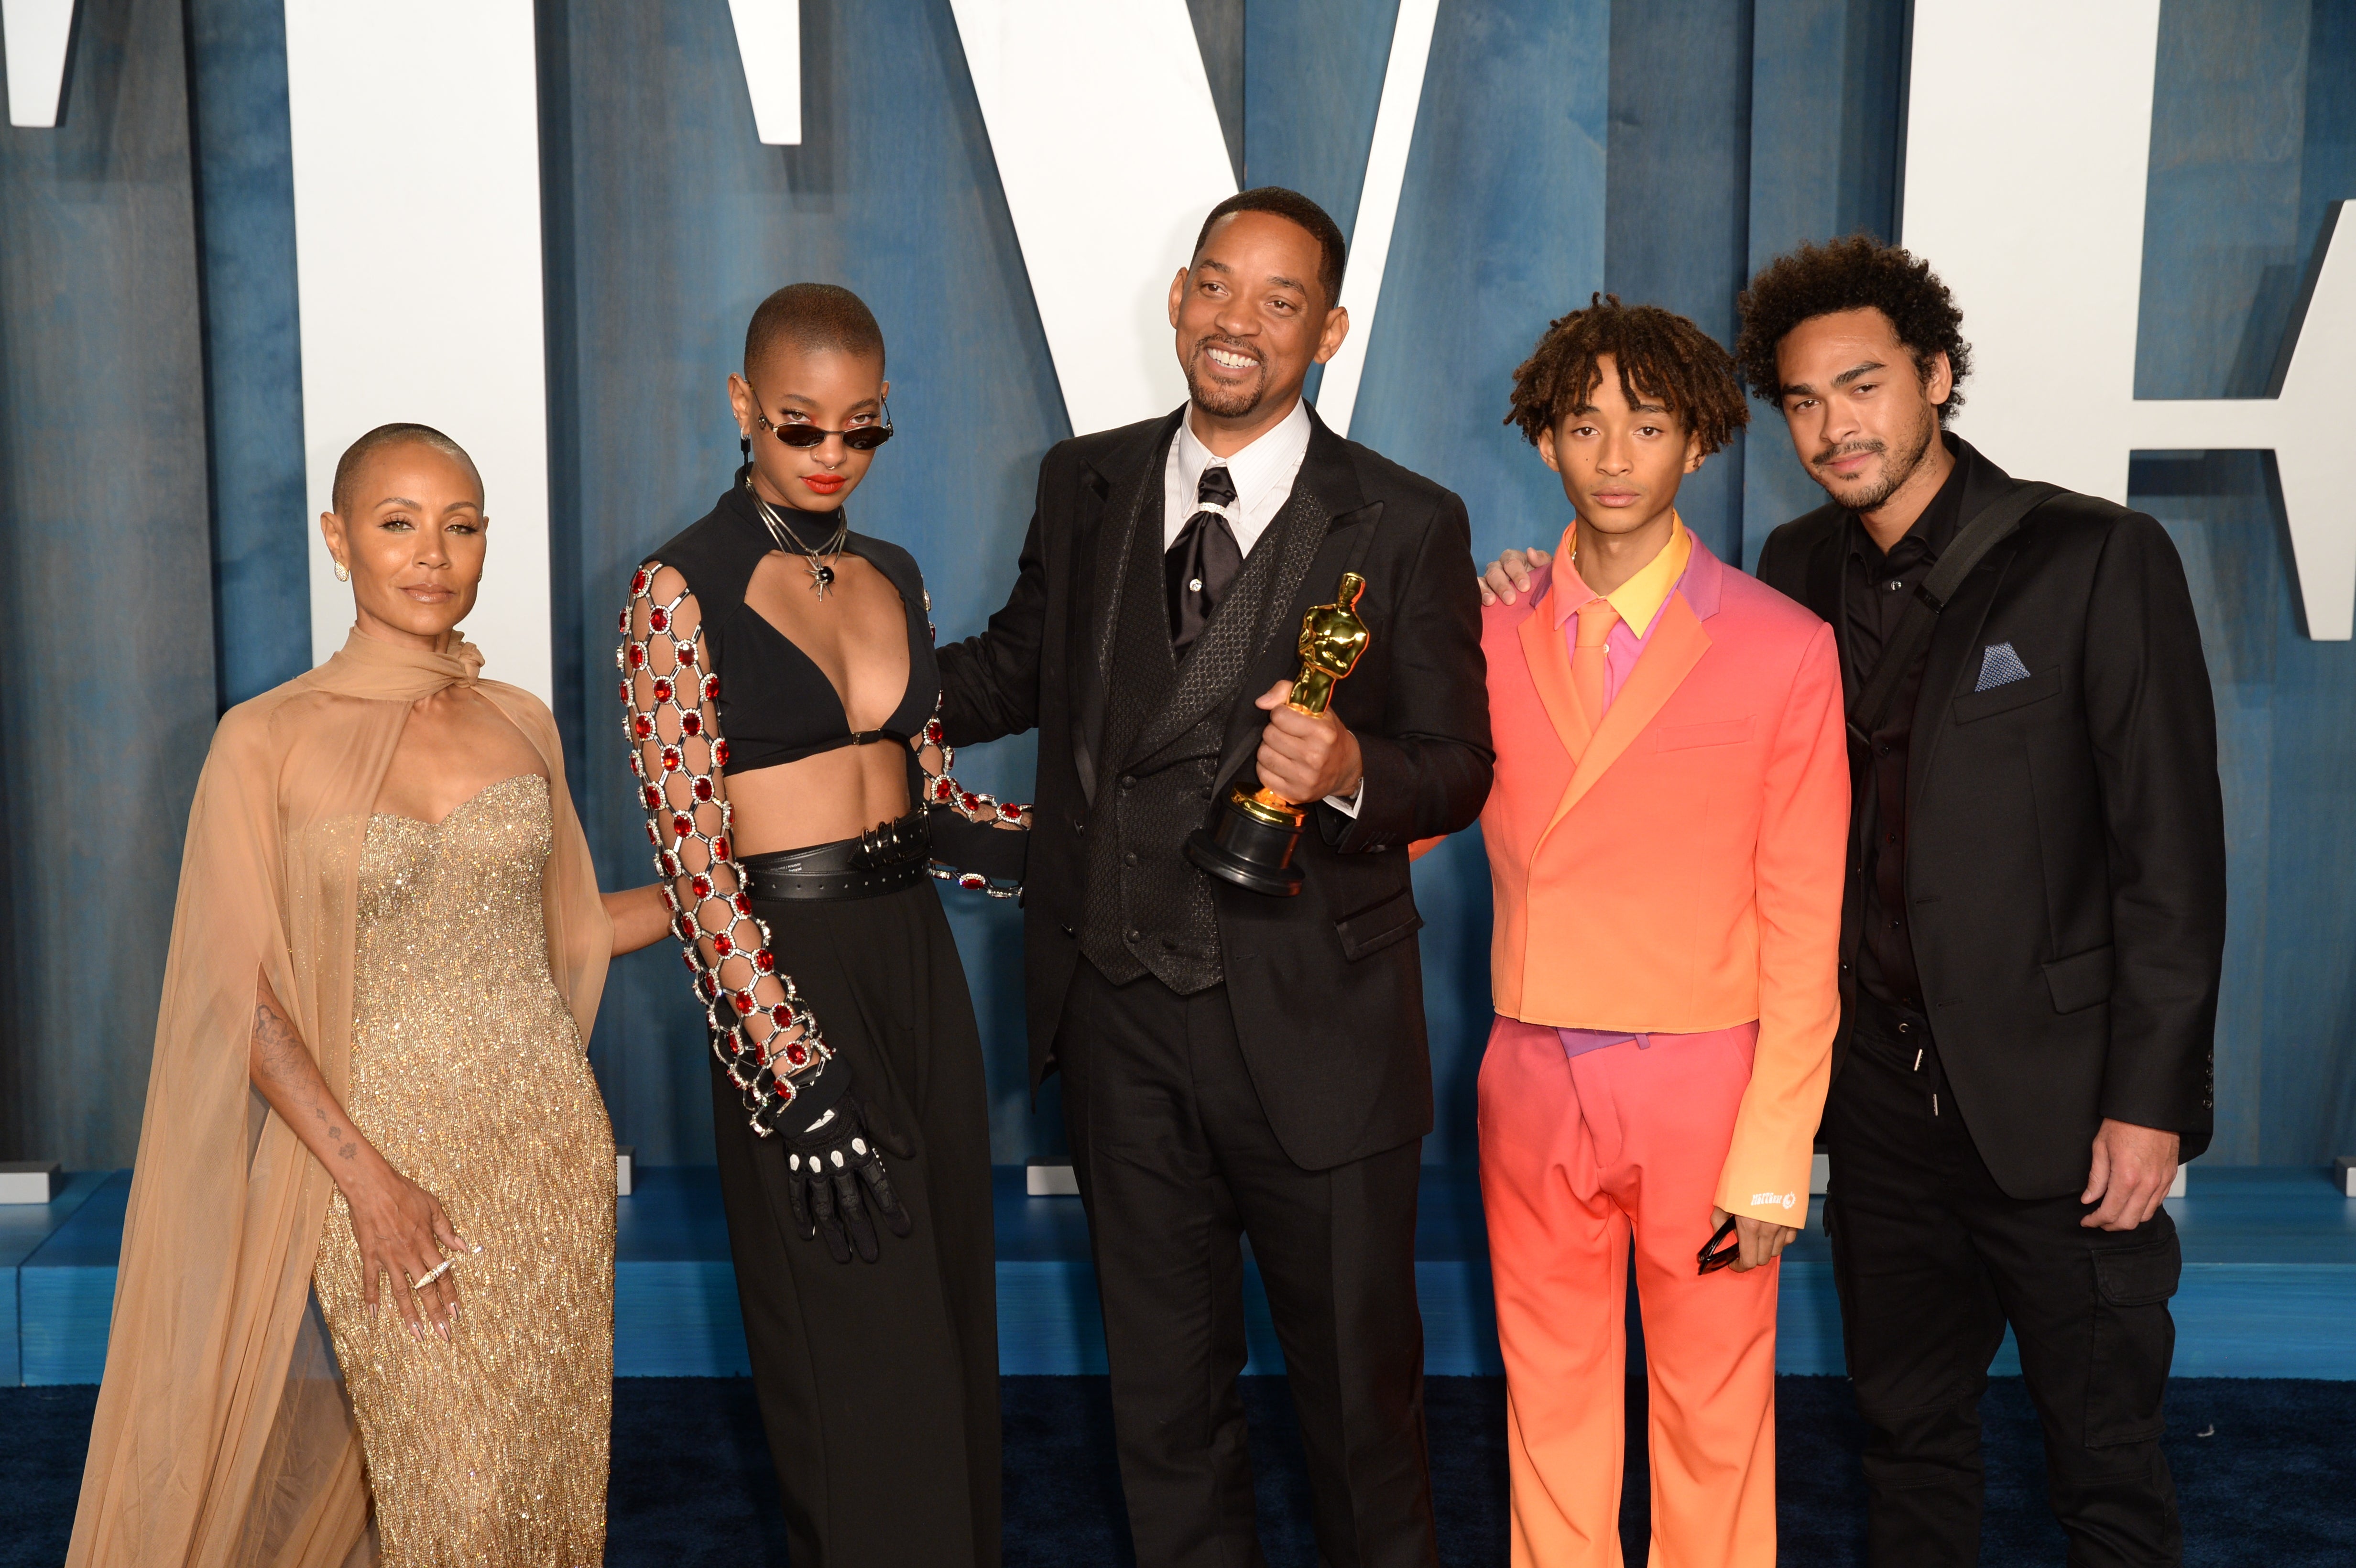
{"x":878,"y":1382}
{"x":1177,"y":1164}
{"x":1933,"y":1260}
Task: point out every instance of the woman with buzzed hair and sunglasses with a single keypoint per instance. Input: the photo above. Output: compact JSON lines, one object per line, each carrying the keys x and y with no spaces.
{"x":780,"y":683}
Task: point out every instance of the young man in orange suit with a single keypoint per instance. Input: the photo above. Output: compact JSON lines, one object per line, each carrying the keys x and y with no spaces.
{"x":1665,"y":836}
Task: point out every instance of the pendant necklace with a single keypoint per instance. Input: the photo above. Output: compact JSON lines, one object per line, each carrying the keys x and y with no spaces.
{"x":821,"y":573}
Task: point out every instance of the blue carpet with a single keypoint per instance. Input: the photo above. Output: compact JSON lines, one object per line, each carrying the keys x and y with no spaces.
{"x":2261,"y":1465}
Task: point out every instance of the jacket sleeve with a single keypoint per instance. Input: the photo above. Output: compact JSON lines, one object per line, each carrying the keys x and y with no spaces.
{"x":989,"y":683}
{"x":1799,"y":874}
{"x":2152,"y":724}
{"x":1429,"y":765}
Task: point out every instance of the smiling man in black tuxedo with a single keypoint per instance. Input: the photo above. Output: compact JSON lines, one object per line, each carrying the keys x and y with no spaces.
{"x":1237,"y":1064}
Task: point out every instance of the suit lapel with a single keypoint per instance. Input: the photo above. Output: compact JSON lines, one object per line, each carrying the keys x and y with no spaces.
{"x":1549,"y":668}
{"x":1131,"y":476}
{"x":1327,"y":536}
{"x":1825,"y":561}
{"x":1677,"y":645}
{"x":1948,"y":663}
{"x":1957,"y":633}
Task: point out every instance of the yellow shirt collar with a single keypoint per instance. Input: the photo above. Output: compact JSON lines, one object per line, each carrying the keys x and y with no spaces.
{"x":1640,"y":598}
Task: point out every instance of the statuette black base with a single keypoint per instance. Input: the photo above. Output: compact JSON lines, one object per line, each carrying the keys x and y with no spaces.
{"x":1249,"y":852}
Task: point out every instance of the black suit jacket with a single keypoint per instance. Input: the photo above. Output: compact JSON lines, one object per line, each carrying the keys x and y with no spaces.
{"x":2065,"y":859}
{"x":1327,"y":987}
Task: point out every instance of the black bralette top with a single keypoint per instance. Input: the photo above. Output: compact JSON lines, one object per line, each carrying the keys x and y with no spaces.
{"x":776,"y":705}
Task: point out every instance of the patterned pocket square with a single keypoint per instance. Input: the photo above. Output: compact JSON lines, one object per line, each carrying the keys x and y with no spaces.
{"x":1999,"y":665}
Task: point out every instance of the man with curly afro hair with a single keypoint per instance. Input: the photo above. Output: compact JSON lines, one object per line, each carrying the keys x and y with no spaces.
{"x":2035,"y":925}
{"x":1665,"y":835}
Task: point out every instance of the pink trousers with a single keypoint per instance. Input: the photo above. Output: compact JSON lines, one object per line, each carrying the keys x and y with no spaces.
{"x":1577,"y":1155}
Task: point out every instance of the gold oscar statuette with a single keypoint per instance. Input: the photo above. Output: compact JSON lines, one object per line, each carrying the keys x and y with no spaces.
{"x":1251,"y":844}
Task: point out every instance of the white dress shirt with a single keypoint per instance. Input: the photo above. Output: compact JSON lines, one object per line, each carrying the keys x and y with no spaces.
{"x":1263,"y":474}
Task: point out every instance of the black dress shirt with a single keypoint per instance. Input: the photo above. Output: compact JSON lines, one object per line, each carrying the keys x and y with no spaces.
{"x":1876,"y":588}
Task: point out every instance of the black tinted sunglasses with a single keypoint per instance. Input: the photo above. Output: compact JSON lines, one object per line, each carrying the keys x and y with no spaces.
{"x":1713,"y":1256}
{"x":859,"y":437}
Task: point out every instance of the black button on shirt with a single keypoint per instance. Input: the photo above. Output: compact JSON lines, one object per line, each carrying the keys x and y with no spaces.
{"x":1876,"y":588}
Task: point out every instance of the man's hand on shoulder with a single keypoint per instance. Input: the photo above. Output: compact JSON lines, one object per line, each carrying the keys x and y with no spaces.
{"x":1511,"y":574}
{"x":1305,"y":759}
{"x":2134,"y":1168}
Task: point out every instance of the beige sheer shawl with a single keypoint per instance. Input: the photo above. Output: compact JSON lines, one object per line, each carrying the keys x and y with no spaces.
{"x":222,"y":1436}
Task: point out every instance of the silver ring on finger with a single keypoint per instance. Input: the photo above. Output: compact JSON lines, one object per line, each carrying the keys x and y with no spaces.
{"x":434,"y":1273}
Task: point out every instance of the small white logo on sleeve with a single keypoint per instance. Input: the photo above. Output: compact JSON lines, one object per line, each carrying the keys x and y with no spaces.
{"x":1774,"y":1200}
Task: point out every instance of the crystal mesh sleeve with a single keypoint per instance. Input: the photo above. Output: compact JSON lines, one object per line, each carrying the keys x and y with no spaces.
{"x":935,"y":757}
{"x":763,"y":1034}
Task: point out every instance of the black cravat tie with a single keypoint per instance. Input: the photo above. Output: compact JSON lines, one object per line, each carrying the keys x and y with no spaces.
{"x":1201,"y":564}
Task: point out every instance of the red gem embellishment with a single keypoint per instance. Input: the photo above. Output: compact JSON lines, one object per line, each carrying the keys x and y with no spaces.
{"x":743,"y":906}
{"x":721,"y":946}
{"x":710,"y":687}
{"x":658,"y":619}
{"x":967,"y":801}
{"x":671,"y":759}
{"x":639,"y":581}
{"x":943,"y":789}
{"x":686,"y":933}
{"x":719,"y":848}
{"x":719,"y":752}
{"x":638,"y":656}
{"x":669,"y":860}
{"x":765,"y":962}
{"x":653,"y":798}
{"x":653,"y":838}
{"x":686,"y":652}
{"x":681,"y":827}
{"x":703,"y":788}
{"x":795,"y":1054}
{"x":643,"y":727}
{"x":743,"y":1001}
{"x":700,"y":885}
{"x":691,"y":724}
{"x":662,"y":690}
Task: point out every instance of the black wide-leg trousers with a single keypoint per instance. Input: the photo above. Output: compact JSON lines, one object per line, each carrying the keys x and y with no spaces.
{"x":1932,"y":1260}
{"x":878,"y":1382}
{"x":1177,"y":1164}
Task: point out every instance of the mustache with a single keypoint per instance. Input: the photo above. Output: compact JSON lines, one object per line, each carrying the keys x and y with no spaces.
{"x":1848,"y":449}
{"x":1236,"y":345}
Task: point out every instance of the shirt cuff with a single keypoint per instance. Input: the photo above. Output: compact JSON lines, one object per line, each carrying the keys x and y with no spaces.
{"x":1347,"y":804}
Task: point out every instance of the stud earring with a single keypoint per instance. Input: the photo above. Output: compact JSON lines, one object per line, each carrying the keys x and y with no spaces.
{"x":343,"y":573}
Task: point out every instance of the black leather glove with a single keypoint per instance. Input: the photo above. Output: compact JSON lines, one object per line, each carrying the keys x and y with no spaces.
{"x":834,"y":1167}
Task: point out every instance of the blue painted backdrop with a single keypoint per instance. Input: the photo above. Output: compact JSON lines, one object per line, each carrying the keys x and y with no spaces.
{"x":151,"y":426}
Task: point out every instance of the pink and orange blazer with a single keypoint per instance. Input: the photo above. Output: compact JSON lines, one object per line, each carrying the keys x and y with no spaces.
{"x":1680,"y":868}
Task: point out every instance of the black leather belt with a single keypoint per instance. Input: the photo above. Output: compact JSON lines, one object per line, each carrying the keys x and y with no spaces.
{"x":880,"y":860}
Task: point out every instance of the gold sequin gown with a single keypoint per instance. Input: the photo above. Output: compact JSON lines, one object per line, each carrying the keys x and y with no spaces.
{"x":468,"y":1073}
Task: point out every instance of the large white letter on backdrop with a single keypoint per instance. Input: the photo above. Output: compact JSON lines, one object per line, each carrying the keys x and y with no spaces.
{"x":416,"y":144}
{"x":1107,"y":177}
{"x":37,"y":36}
{"x":2026,"y":169}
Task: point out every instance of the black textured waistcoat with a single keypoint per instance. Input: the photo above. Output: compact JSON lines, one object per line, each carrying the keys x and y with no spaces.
{"x":1147,"y":908}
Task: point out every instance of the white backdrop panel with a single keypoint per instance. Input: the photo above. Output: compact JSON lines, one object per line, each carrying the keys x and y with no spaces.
{"x":1110,"y":150}
{"x":2028,"y":150}
{"x":416,"y":147}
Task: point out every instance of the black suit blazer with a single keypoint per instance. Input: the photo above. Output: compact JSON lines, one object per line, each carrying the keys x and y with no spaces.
{"x":1327,"y":987}
{"x":2065,"y":860}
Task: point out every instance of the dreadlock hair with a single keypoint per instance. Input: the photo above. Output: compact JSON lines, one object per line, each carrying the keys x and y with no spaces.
{"x":348,"y":466}
{"x":813,"y":317}
{"x":1856,"y":273}
{"x":1661,"y":357}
